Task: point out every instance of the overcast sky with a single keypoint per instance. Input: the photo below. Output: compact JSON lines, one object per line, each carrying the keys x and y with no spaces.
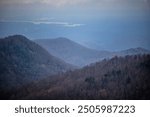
{"x":104,"y":23}
{"x":68,"y":8}
{"x":62,"y":3}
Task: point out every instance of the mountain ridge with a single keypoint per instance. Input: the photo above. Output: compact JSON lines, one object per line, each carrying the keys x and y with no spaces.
{"x":80,"y":55}
{"x":23,"y":61}
{"x":72,"y":52}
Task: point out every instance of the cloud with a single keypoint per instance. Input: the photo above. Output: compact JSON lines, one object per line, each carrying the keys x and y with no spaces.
{"x":78,"y":9}
{"x":47,"y":2}
{"x":46,"y":21}
{"x":60,"y":3}
{"x":73,"y":25}
{"x":65,"y":24}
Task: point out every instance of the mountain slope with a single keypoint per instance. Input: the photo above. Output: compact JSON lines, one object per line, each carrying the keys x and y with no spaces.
{"x":22,"y":61}
{"x":133,"y":51}
{"x":118,"y":78}
{"x":72,"y":52}
{"x":79,"y":55}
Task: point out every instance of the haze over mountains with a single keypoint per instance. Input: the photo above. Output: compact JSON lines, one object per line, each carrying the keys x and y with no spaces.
{"x":23,"y":62}
{"x":103,"y":51}
{"x":99,"y":34}
{"x":80,"y":55}
{"x":72,"y":52}
{"x":134,"y":51}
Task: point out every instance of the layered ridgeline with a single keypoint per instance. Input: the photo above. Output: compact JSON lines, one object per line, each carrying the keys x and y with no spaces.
{"x":28,"y":71}
{"x":118,"y":78}
{"x":72,"y":52}
{"x":22,"y":61}
{"x":79,"y":55}
{"x":133,"y":51}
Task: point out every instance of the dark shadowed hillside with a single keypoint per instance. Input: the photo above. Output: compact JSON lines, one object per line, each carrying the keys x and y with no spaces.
{"x":22,"y":61}
{"x":72,"y":52}
{"x":118,"y":78}
{"x":79,"y":55}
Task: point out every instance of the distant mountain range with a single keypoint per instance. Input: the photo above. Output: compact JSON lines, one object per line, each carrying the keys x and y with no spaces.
{"x":72,"y":52}
{"x":79,"y":55}
{"x":22,"y":61}
{"x":133,"y":51}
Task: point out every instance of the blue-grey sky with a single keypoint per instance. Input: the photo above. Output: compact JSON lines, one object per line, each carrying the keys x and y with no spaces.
{"x":20,"y":9}
{"x":96,"y":23}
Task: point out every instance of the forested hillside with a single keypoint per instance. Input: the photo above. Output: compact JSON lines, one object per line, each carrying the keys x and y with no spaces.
{"x":118,"y":78}
{"x":23,"y":61}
